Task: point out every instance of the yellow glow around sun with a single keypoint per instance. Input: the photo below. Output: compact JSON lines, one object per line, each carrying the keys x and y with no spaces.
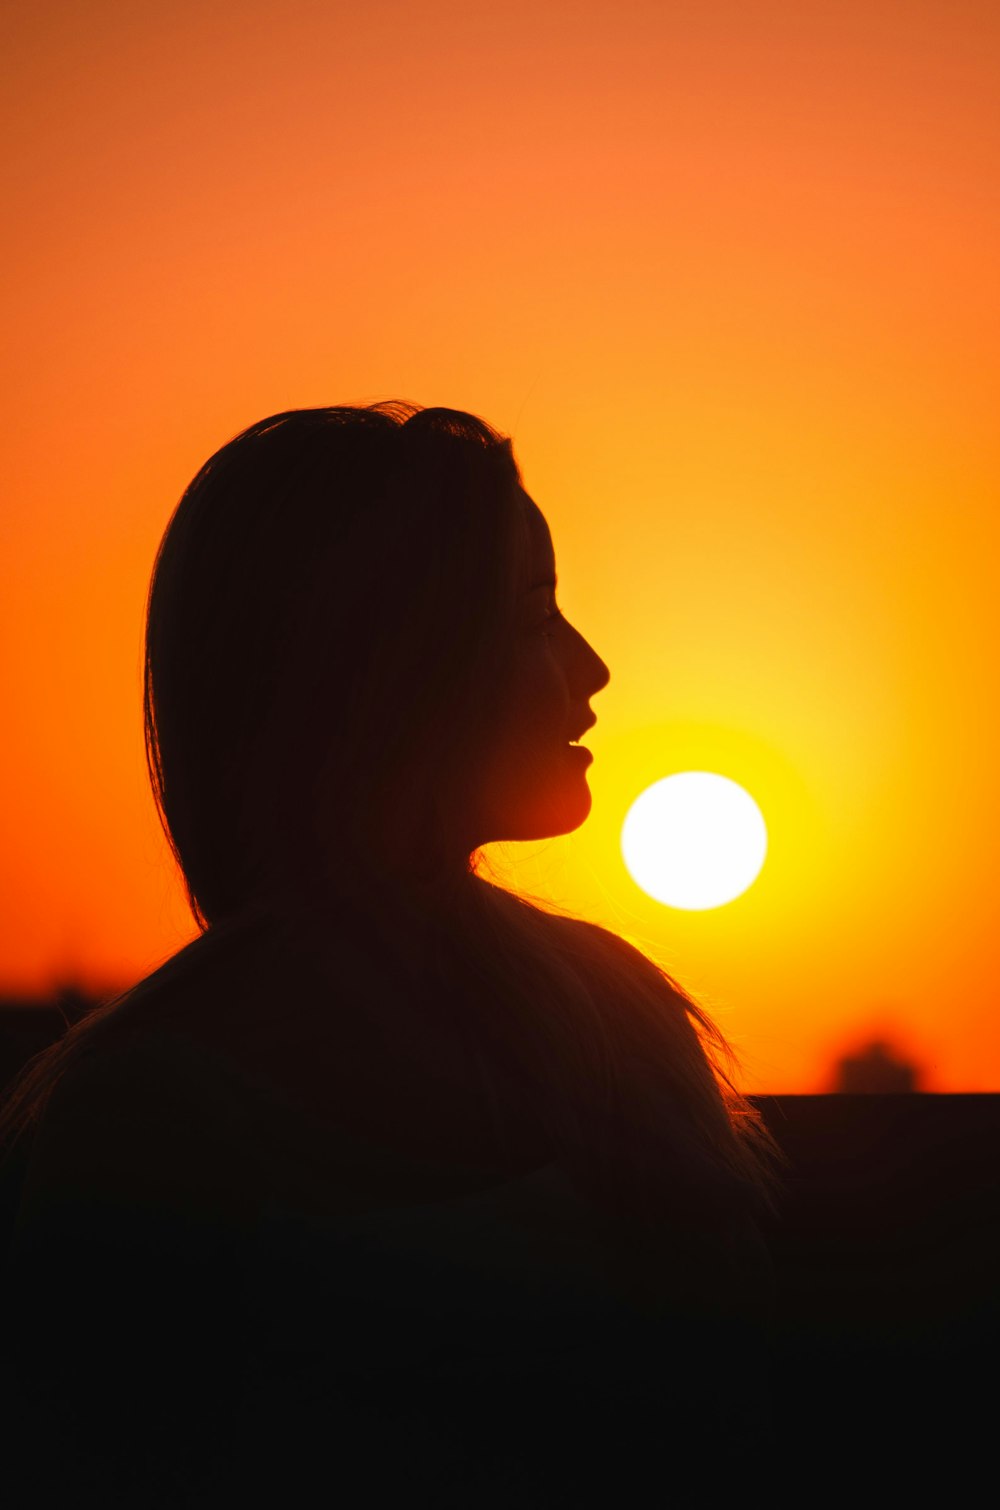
{"x":694,"y":840}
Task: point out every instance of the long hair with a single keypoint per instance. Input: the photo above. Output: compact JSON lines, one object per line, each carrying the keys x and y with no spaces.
{"x":328,"y":629}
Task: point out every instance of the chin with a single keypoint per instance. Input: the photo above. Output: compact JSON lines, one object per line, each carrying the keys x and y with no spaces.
{"x":560,"y":813}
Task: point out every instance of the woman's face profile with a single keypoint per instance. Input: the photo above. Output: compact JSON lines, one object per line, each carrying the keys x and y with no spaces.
{"x":534,"y":784}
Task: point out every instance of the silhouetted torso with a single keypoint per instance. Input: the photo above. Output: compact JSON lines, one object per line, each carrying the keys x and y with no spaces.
{"x":275,"y":1227}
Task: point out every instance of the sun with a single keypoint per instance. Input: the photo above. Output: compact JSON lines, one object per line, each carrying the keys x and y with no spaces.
{"x":694,"y":840}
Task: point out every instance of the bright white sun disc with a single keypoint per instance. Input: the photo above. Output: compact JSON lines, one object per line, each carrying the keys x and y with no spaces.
{"x":694,"y":840}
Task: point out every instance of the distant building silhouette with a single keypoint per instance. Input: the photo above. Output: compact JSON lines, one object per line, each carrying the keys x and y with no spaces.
{"x":874,"y":1070}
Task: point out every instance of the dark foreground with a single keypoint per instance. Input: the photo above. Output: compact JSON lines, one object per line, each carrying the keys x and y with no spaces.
{"x":884,"y":1366}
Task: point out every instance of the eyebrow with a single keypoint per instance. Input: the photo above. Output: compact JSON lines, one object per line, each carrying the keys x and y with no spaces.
{"x":548,"y":582}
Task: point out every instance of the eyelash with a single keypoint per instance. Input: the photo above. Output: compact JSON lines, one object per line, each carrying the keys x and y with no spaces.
{"x":555,"y":614}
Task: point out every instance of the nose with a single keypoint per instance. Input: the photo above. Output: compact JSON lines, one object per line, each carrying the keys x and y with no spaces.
{"x":598,"y":671}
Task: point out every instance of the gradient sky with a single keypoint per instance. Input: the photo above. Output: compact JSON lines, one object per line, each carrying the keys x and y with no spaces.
{"x":727,"y":275}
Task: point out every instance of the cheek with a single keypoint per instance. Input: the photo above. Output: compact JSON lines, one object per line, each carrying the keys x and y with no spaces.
{"x":537,"y":702}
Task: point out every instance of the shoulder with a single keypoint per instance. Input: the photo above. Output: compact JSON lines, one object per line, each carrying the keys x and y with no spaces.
{"x":579,"y":939}
{"x":141,"y":1130}
{"x":147,"y":1076}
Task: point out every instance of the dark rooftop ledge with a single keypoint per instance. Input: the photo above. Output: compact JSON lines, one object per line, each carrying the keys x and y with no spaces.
{"x":887,"y":1259}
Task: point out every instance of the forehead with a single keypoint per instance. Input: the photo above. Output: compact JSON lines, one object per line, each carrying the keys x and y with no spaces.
{"x":541,"y":555}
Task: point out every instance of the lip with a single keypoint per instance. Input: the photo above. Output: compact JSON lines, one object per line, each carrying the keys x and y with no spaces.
{"x":581,"y":730}
{"x":580,"y":750}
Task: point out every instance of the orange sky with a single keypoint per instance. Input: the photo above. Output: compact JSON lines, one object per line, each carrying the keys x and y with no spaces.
{"x":727,"y":274}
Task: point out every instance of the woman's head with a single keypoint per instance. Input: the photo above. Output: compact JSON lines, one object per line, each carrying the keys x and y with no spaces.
{"x":354,"y":672}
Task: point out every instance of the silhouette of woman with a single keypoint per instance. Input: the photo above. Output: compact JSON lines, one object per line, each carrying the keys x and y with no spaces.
{"x":391,"y":1183}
